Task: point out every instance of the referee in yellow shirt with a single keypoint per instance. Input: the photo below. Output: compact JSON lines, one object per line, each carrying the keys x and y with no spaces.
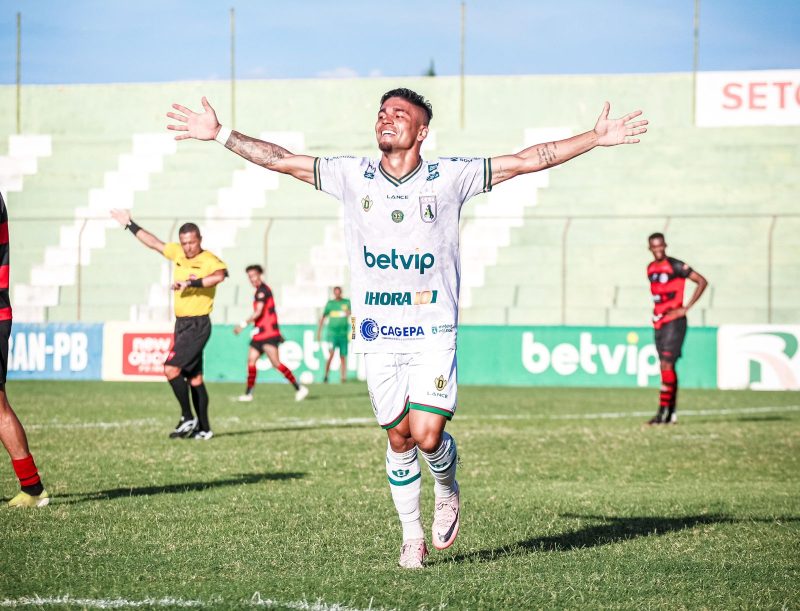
{"x":197,"y":272}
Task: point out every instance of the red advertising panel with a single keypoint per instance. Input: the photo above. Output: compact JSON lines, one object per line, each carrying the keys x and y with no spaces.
{"x":145,"y":353}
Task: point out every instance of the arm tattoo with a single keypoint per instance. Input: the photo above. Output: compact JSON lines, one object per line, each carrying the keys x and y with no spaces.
{"x":547,"y":153}
{"x":259,"y":152}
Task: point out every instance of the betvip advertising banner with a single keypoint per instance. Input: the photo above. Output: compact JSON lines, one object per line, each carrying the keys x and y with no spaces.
{"x":68,"y":351}
{"x":762,"y":97}
{"x":760,"y":357}
{"x":579,"y":356}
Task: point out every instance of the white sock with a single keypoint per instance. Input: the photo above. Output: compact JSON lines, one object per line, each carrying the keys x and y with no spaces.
{"x":404,"y":482}
{"x":442,"y":465}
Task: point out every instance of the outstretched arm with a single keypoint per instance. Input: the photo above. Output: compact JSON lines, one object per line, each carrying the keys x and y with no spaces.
{"x":257,"y":312}
{"x":205,"y":126}
{"x":607,"y":132}
{"x":123,"y":217}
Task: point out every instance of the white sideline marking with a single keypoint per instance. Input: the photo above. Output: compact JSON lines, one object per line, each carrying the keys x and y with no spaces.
{"x":93,"y":425}
{"x":124,"y":603}
{"x":312,"y":422}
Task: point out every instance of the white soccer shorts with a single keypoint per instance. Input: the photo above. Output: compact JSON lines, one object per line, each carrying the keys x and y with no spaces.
{"x":398,"y":382}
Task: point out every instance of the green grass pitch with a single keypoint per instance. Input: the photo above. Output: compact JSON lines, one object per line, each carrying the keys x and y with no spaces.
{"x":568,"y":502}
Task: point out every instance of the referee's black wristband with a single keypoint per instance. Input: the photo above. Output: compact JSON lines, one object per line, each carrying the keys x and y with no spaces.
{"x":133,"y":227}
{"x":196,"y":283}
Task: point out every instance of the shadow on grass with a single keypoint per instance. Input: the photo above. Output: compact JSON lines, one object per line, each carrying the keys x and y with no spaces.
{"x":115,"y":493}
{"x":611,"y":530}
{"x":762,"y":418}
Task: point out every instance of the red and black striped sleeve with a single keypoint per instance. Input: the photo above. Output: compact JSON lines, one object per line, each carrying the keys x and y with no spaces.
{"x":5,"y":298}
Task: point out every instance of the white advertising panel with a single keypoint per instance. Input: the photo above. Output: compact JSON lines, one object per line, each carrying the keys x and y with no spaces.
{"x":759,"y":357}
{"x":762,"y":97}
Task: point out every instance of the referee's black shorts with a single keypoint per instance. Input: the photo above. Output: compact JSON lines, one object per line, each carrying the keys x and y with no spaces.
{"x":669,"y":340}
{"x":191,"y":336}
{"x":5,"y":334}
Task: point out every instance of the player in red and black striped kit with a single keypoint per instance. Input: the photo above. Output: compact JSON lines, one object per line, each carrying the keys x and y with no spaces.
{"x":667,"y":279}
{"x":267,"y":337}
{"x":12,"y":435}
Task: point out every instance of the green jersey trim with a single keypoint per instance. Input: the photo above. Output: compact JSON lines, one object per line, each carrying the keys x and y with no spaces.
{"x":399,"y":181}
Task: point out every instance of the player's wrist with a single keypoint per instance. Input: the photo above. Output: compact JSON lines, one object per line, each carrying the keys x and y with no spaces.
{"x":196,"y":283}
{"x":132,"y":227}
{"x":244,"y":324}
{"x":223,"y":133}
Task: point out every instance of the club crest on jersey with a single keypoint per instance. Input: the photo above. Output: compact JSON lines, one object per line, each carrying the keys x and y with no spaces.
{"x":366,"y":203}
{"x":398,"y":216}
{"x":427,"y":208}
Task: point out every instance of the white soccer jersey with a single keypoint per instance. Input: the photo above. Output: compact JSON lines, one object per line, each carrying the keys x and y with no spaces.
{"x":402,"y":240}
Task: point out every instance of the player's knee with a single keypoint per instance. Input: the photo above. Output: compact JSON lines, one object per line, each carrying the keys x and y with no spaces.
{"x":171,"y":372}
{"x":399,"y":441}
{"x":196,"y":380}
{"x":428,"y":440}
{"x":667,"y":365}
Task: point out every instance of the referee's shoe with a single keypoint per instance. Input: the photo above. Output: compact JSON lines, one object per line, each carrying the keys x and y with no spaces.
{"x":185,"y":428}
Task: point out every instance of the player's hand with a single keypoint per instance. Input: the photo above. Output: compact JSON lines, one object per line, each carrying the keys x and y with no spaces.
{"x":180,"y":286}
{"x":674,"y":314}
{"x":201,"y":126}
{"x":123,"y":217}
{"x":237,"y":329}
{"x":611,"y":132}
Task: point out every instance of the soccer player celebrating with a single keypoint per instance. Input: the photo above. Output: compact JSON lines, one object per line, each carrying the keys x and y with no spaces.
{"x":336,"y":311}
{"x":196,"y":274}
{"x":667,"y":279}
{"x":401,"y":217}
{"x":12,"y":435}
{"x":267,"y":337}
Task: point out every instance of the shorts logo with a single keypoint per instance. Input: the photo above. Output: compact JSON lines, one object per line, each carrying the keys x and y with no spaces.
{"x":369,"y":329}
{"x":439,"y":383}
{"x":366,"y":203}
{"x":397,"y":216}
{"x":427,"y":208}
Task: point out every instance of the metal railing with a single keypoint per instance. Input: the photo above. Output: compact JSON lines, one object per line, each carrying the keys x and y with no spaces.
{"x":266,"y":225}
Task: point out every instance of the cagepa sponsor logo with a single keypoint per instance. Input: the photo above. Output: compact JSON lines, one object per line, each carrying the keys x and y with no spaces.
{"x":400,"y":298}
{"x":566,"y":359}
{"x":765,"y":357}
{"x":395,"y":260}
{"x":371,"y":330}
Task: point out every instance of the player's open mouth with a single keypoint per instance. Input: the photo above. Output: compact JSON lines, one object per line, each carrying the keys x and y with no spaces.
{"x":387,"y":132}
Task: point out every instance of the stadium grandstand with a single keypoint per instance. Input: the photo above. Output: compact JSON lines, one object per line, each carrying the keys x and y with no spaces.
{"x":553,"y":248}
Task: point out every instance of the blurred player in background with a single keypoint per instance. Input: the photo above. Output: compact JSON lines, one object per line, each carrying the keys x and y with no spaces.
{"x":667,"y":279}
{"x":196,"y":274}
{"x":12,"y":435}
{"x":401,"y":221}
{"x":267,"y":336}
{"x":337,"y":311}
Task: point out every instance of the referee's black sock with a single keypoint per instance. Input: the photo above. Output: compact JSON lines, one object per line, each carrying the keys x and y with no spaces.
{"x":200,"y":400}
{"x":181,"y":390}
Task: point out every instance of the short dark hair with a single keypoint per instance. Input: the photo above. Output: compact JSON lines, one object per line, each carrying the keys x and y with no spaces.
{"x":656,"y":236}
{"x":255,"y":267}
{"x":189,"y":228}
{"x":410,"y":96}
